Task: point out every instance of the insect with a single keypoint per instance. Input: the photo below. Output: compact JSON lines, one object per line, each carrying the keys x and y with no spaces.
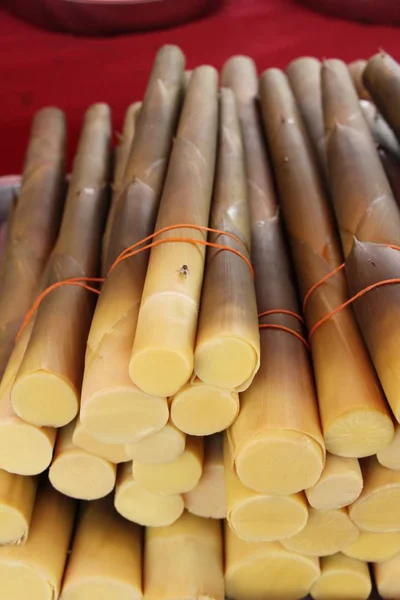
{"x":183,"y":271}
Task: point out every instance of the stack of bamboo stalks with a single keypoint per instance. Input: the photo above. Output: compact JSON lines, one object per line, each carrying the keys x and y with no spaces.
{"x":226,"y":371}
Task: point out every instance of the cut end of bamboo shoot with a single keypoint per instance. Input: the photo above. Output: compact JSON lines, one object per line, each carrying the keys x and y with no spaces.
{"x":390,"y":456}
{"x":165,"y":445}
{"x":137,"y":504}
{"x":25,"y":449}
{"x":387,"y":577}
{"x":280,"y":462}
{"x":374,"y":547}
{"x":114,"y":453}
{"x":17,"y":497}
{"x":123,"y":416}
{"x":340,"y":484}
{"x":359,"y":433}
{"x":175,"y":477}
{"x":17,"y":579}
{"x":326,"y":532}
{"x":200,"y":409}
{"x":379,"y":511}
{"x":33,"y":399}
{"x":342,"y":577}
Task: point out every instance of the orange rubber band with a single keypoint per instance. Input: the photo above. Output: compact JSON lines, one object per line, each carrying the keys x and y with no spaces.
{"x":320,"y":282}
{"x":283,"y":311}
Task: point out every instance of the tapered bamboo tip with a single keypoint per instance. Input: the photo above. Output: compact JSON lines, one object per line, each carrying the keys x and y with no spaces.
{"x":24,"y":448}
{"x":340,"y":484}
{"x":135,"y":503}
{"x":165,"y":445}
{"x":78,"y":474}
{"x":342,"y":577}
{"x":123,"y":415}
{"x":255,"y":571}
{"x":280,"y":462}
{"x":204,"y":410}
{"x":240,"y":74}
{"x":374,"y":547}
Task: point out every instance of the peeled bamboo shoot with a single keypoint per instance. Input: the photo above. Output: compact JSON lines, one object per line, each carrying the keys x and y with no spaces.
{"x":78,"y":473}
{"x":106,"y":556}
{"x":176,"y":476}
{"x":113,"y":409}
{"x":326,"y":532}
{"x":184,"y":560}
{"x":208,"y":498}
{"x":374,"y":547}
{"x":387,"y":578}
{"x":137,"y":504}
{"x":114,"y":453}
{"x":340,"y":484}
{"x":17,"y":497}
{"x":35,"y":569}
{"x":256,"y":517}
{"x":47,"y":388}
{"x":260,"y":570}
{"x":382,"y":80}
{"x":390,"y":456}
{"x":162,"y":355}
{"x":378,"y":507}
{"x":276,"y":441}
{"x":34,"y":226}
{"x":342,"y":577}
{"x":165,"y":445}
{"x":227,"y":352}
{"x":355,"y":419}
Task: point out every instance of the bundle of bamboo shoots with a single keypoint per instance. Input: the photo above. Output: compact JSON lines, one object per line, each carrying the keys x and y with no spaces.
{"x":342,"y":577}
{"x":355,"y":419}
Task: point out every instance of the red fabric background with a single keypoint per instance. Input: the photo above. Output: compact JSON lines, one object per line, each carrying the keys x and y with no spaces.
{"x":41,"y":68}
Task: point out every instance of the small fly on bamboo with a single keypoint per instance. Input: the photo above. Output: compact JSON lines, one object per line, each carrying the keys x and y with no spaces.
{"x":183,"y":271}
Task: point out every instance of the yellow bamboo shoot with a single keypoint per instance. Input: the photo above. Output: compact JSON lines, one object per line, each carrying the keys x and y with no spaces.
{"x":374,"y":547}
{"x":340,"y":484}
{"x":78,"y":473}
{"x":35,"y":569}
{"x":176,"y":476}
{"x":202,"y":409}
{"x":163,"y":351}
{"x":137,"y":504}
{"x":106,"y":556}
{"x":260,"y":570}
{"x":378,"y":507}
{"x":257,"y":517}
{"x":276,"y":441}
{"x":208,"y":498}
{"x":184,"y":560}
{"x":387,"y":578}
{"x":47,"y":388}
{"x":326,"y":532}
{"x":114,"y":453}
{"x":113,"y":409}
{"x":390,"y":457}
{"x":342,"y":577}
{"x":165,"y":445}
{"x":17,"y":497}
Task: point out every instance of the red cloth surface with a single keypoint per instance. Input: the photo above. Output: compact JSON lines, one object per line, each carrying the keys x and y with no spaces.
{"x":42,"y":68}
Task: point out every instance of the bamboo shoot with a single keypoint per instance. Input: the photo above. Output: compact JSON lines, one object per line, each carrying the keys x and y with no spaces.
{"x":165,"y":445}
{"x":342,"y":577}
{"x":114,"y":453}
{"x":390,"y":456}
{"x":387,"y":578}
{"x":374,"y":547}
{"x":340,"y":484}
{"x":17,"y":497}
{"x":382,"y":80}
{"x":356,"y":70}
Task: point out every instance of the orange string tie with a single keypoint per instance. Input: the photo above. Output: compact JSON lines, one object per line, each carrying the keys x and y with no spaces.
{"x":283,"y":311}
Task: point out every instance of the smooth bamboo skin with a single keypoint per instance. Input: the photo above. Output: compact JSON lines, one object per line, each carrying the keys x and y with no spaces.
{"x":374,"y":547}
{"x":34,"y":226}
{"x":276,"y":440}
{"x":176,"y":476}
{"x":326,"y":532}
{"x":121,"y":157}
{"x":227,"y":352}
{"x":256,"y":517}
{"x":106,"y":556}
{"x":78,"y":473}
{"x":114,"y":453}
{"x":112,"y":407}
{"x":184,"y":560}
{"x":262,"y":570}
{"x":165,"y":445}
{"x":137,"y":504}
{"x":378,"y":507}
{"x":355,"y":419}
{"x":46,"y":391}
{"x":162,"y":355}
{"x":201,"y":409}
{"x":17,"y":497}
{"x":340,"y":484}
{"x":342,"y":577}
{"x":387,"y":578}
{"x":304,"y":76}
{"x":35,"y":569}
{"x":208,"y":498}
{"x":384,"y":137}
{"x":356,"y":70}
{"x":382,"y":80}
{"x":390,"y":456}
